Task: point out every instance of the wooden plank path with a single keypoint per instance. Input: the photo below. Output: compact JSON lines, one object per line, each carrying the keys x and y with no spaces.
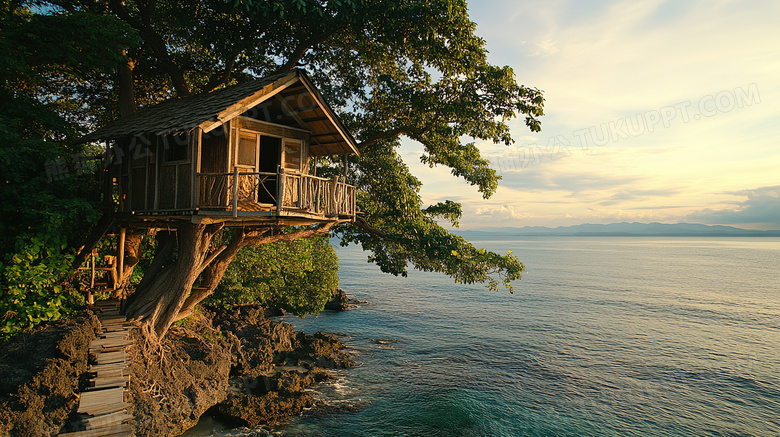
{"x":103,"y":406}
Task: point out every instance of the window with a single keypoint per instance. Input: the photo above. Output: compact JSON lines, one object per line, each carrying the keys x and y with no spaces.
{"x":292,"y":155}
{"x":247,"y":149}
{"x":175,"y":147}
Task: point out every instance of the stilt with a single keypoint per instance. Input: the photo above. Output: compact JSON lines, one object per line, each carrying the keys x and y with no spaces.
{"x":121,"y":258}
{"x":90,"y":295}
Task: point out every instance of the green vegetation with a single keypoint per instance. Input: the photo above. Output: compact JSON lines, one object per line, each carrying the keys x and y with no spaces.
{"x":297,"y":276}
{"x":47,"y":188}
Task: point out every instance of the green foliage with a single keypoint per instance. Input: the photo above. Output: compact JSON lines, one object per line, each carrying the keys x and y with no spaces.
{"x":32,"y":286}
{"x":48,"y":199}
{"x":297,"y":276}
{"x":398,"y":230}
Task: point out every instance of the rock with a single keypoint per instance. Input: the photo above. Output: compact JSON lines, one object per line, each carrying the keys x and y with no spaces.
{"x":338,"y":301}
{"x":234,"y":362}
{"x":40,"y":376}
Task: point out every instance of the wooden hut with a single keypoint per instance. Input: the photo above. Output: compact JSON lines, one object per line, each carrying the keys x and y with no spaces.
{"x":241,"y":155}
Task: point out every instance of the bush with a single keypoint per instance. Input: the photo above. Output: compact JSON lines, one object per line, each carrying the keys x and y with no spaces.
{"x":297,"y":276}
{"x":31,"y":283}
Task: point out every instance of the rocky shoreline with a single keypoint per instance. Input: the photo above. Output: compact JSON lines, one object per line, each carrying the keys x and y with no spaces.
{"x":235,"y":364}
{"x":340,"y":301}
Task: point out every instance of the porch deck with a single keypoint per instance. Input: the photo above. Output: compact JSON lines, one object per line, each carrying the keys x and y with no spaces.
{"x":280,"y":194}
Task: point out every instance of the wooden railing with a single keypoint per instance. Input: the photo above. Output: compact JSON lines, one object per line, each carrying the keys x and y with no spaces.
{"x":282,"y":192}
{"x":314,"y":195}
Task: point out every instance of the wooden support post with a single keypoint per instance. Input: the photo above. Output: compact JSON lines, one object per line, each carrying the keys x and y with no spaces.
{"x":196,"y":152}
{"x":90,"y":296}
{"x":92,"y":280}
{"x":235,"y":191}
{"x":121,"y":258}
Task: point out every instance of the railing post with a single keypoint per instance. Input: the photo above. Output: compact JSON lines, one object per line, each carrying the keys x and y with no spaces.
{"x":235,"y":191}
{"x":333,"y":210}
{"x":352,"y":204}
{"x":280,"y":190}
{"x":301,"y":203}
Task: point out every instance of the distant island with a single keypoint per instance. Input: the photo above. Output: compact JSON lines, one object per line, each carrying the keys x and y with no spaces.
{"x":625,"y":229}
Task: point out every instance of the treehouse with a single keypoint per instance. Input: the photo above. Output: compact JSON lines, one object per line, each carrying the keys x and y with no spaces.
{"x":244,"y":155}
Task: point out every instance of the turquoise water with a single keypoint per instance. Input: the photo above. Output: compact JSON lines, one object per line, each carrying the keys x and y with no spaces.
{"x":603,"y":337}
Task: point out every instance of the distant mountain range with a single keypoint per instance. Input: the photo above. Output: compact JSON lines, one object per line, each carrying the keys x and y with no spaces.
{"x":626,"y":229}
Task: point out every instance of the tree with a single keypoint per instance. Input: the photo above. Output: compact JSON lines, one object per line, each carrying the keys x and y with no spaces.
{"x":46,"y":183}
{"x":390,"y":68}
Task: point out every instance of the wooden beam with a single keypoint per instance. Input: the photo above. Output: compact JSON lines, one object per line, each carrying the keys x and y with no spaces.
{"x":210,"y":124}
{"x":264,"y":94}
{"x":235,"y":191}
{"x":292,"y":112}
{"x":279,"y":188}
{"x":296,"y":91}
{"x":326,"y":109}
{"x":272,"y":128}
{"x":157,"y":159}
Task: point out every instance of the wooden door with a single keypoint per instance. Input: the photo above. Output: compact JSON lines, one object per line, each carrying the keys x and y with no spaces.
{"x":270,"y":157}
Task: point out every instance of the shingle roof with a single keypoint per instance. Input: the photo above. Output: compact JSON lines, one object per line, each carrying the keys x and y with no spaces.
{"x":177,"y":115}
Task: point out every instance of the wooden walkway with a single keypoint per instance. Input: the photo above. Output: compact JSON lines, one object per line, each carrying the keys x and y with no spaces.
{"x":103,"y":406}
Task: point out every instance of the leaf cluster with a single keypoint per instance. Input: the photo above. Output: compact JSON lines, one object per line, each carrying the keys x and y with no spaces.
{"x":297,"y":276}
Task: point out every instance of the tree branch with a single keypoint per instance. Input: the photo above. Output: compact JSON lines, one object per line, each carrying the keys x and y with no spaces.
{"x":221,"y":77}
{"x":219,"y":262}
{"x":387,"y":135}
{"x":295,"y":56}
{"x":154,"y":41}
{"x":303,"y":233}
{"x":212,"y":257}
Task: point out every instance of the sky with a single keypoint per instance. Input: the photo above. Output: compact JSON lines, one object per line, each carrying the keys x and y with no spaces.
{"x":656,"y":111}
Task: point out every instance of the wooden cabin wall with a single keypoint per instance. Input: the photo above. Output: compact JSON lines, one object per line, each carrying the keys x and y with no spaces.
{"x":214,"y":152}
{"x":121,"y":165}
{"x":174,"y":167}
{"x":133,"y":168}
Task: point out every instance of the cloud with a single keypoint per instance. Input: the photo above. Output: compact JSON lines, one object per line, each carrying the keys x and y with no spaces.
{"x":637,"y":195}
{"x":502,"y":212}
{"x":605,"y":64}
{"x":761,"y":208}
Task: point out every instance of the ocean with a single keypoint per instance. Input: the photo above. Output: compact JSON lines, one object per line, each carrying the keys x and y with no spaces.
{"x":611,"y":336}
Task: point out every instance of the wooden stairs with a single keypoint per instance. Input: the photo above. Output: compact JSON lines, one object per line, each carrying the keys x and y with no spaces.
{"x":103,"y":407}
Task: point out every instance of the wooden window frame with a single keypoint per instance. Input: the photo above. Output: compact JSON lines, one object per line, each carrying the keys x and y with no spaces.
{"x":238,"y":145}
{"x":283,"y":159}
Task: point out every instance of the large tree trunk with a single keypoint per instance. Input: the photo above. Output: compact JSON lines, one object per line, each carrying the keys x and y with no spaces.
{"x":126,"y":87}
{"x":166,"y":292}
{"x":168,"y":281}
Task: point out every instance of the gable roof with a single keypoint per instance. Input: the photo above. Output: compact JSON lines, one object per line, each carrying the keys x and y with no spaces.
{"x":293,"y":90}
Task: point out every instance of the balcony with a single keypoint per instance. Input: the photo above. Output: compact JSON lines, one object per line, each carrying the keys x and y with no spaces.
{"x":281,"y":194}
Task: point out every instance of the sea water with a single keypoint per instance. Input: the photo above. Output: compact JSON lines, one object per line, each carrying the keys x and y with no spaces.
{"x":611,"y":336}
